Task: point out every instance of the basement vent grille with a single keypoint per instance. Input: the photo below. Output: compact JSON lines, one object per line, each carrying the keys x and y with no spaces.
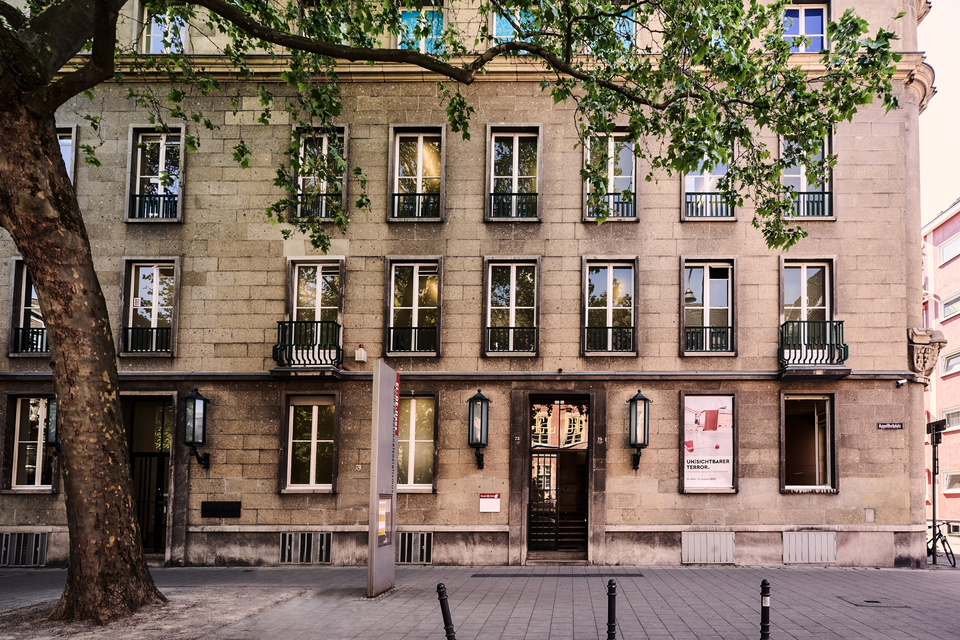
{"x":23,"y":550}
{"x":415,"y":547}
{"x":703,"y":547}
{"x":809,"y":547}
{"x":305,"y":548}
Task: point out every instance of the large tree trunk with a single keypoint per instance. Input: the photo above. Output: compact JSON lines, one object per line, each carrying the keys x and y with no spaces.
{"x":107,"y":576}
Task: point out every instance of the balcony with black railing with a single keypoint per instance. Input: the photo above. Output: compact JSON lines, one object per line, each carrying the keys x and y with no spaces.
{"x":30,"y":340}
{"x":608,"y":339}
{"x":416,"y":206}
{"x":812,"y":204}
{"x":413,"y":339}
{"x":618,"y":206}
{"x":812,"y":343}
{"x":707,"y":339}
{"x":318,"y":205}
{"x":308,"y":343}
{"x":147,"y":339}
{"x":513,"y":205}
{"x":511,"y":339}
{"x":709,"y":205}
{"x":153,"y":206}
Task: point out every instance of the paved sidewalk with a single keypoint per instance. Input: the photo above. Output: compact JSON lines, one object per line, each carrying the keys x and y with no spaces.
{"x":532,"y":603}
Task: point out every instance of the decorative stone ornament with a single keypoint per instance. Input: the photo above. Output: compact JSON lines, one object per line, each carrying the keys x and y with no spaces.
{"x":924,"y":347}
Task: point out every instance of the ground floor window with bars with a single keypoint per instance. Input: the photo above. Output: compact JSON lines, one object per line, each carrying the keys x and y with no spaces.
{"x":305,"y":547}
{"x":23,"y":549}
{"x":414,"y":547}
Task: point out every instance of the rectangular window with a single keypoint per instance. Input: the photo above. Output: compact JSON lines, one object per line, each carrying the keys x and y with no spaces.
{"x":148,"y":327}
{"x":812,"y":198}
{"x":952,"y":416}
{"x":511,"y":307}
{"x":422,"y":29}
{"x":311,"y":451}
{"x":29,"y":329}
{"x":808,"y":436}
{"x":949,"y":249}
{"x":809,"y":335}
{"x":951,"y":482}
{"x":702,"y":196}
{"x":32,"y":462}
{"x":503,"y":26}
{"x":614,"y":157}
{"x":951,"y":364}
{"x":162,"y":34}
{"x":513,"y":175}
{"x":313,"y":337}
{"x":415,"y":453}
{"x":418,"y":175}
{"x":951,"y":307}
{"x":414,"y":308}
{"x":321,"y":174}
{"x":155,"y":185}
{"x":609,"y":308}
{"x":805,"y":28}
{"x":68,"y":146}
{"x":707,"y":308}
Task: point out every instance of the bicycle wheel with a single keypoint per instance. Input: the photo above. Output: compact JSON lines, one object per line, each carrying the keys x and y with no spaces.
{"x":948,"y":551}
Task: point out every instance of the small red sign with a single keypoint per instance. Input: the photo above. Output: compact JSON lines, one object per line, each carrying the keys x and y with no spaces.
{"x":489,"y":496}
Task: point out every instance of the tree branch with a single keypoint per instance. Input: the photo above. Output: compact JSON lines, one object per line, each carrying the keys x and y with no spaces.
{"x":12,"y":15}
{"x":19,"y":61}
{"x":99,"y":67}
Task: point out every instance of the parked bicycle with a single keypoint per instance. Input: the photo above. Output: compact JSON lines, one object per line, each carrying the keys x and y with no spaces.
{"x":942,"y":539}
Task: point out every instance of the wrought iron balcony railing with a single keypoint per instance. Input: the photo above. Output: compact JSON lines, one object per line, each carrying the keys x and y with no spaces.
{"x":513,"y":205}
{"x":618,"y":206}
{"x":147,"y":339}
{"x":608,"y":338}
{"x":318,"y":205}
{"x":152,"y":206}
{"x":813,"y":204}
{"x":812,"y":342}
{"x":706,"y":205}
{"x":512,"y":339}
{"x":30,"y":340}
{"x":707,"y":339}
{"x":409,"y":206}
{"x":413,"y":339}
{"x":308,"y":343}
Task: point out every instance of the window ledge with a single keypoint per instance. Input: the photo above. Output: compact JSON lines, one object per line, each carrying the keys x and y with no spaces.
{"x":320,"y":489}
{"x":489,"y":219}
{"x":145,"y":354}
{"x":610,"y":354}
{"x":511,"y":354}
{"x":408,"y":220}
{"x":684,"y":218}
{"x":806,"y":219}
{"x":608,"y":220}
{"x":414,"y":489}
{"x":28,"y":491}
{"x":412,"y":354}
{"x":709,"y":354}
{"x":808,"y":490}
{"x":35,"y":354}
{"x":177,"y":220}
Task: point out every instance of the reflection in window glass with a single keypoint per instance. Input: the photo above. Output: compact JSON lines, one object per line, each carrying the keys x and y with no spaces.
{"x":415,"y":448}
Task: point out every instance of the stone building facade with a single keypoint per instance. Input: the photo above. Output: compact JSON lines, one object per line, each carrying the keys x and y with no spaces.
{"x":769,"y":373}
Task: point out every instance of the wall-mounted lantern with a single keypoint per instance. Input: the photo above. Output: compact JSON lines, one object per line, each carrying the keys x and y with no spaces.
{"x":478,"y":423}
{"x":639,"y":425}
{"x":195,"y":426}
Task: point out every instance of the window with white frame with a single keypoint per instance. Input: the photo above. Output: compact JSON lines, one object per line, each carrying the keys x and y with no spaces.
{"x":414,"y":307}
{"x":67,"y":149}
{"x":702,"y":195}
{"x":805,"y":27}
{"x":950,"y":482}
{"x":156,"y":179}
{"x":32,"y":462}
{"x":415,"y":451}
{"x":949,"y":249}
{"x":513,"y":175}
{"x":29,"y":331}
{"x":321,"y":174}
{"x":422,"y":29}
{"x":614,"y":155}
{"x":162,"y":33}
{"x":952,"y":416}
{"x":313,"y":335}
{"x":503,"y":25}
{"x":610,"y":307}
{"x":806,"y":292}
{"x":418,"y":161}
{"x":707,"y":307}
{"x":150,"y":308}
{"x":950,"y":307}
{"x":812,"y":198}
{"x":808,"y":443}
{"x":950,"y":364}
{"x":310,"y":445}
{"x":512,"y":307}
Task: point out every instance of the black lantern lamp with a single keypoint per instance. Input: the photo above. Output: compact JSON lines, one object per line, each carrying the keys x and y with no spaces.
{"x":478,"y":424}
{"x":639,"y":425}
{"x":51,"y":434}
{"x":195,"y":426}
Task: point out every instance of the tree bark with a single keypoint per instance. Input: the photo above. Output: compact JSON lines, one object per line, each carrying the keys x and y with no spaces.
{"x":107,"y":575}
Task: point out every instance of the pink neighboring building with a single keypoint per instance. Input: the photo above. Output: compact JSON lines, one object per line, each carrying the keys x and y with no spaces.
{"x":941,"y":310}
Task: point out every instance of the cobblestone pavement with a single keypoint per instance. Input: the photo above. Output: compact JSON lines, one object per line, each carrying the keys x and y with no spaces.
{"x":534,"y":603}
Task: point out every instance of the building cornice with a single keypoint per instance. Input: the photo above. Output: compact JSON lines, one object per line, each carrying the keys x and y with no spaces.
{"x":923,"y":8}
{"x":920,"y":81}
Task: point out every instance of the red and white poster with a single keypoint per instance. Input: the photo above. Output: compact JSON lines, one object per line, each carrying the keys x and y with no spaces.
{"x":708,"y":443}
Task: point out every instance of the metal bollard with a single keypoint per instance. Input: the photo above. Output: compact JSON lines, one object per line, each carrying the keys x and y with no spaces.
{"x":764,"y":610}
{"x":445,"y":612}
{"x":612,"y":610}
